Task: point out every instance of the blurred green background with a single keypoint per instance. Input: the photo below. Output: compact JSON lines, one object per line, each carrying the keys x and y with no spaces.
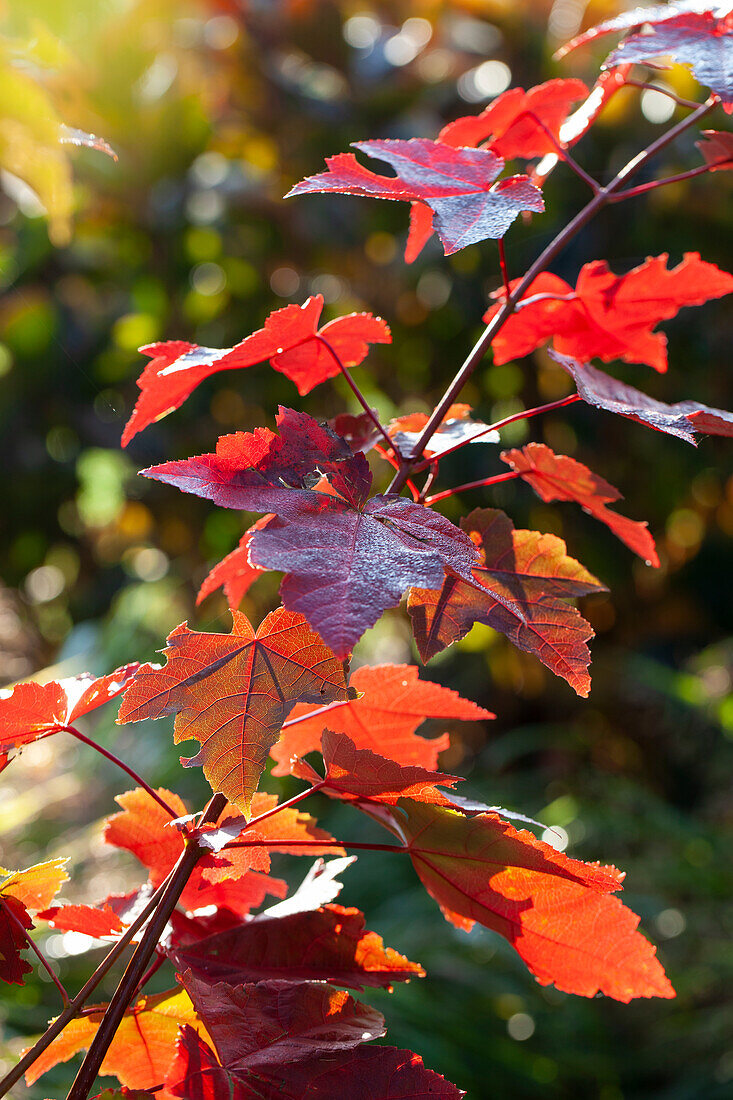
{"x":216,"y":109}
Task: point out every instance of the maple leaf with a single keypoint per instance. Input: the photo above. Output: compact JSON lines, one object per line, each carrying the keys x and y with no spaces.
{"x":555,"y":911}
{"x":391,"y":702}
{"x":702,"y":40}
{"x":290,"y":339}
{"x":327,"y":944}
{"x":507,"y":125}
{"x":232,"y":693}
{"x":639,"y":17}
{"x":359,"y":430}
{"x":682,"y":419}
{"x":94,"y":921}
{"x":142,"y":1048}
{"x":33,"y":888}
{"x":235,"y":573}
{"x":509,"y":130}
{"x":457,"y":426}
{"x":259,"y":470}
{"x":367,"y":1073}
{"x":30,"y":711}
{"x":345,"y":566}
{"x":360,"y":774}
{"x":559,"y":477}
{"x":717,"y":149}
{"x":144,"y":829}
{"x":264,"y":1025}
{"x":522,"y":569}
{"x":457,"y":184}
{"x":609,"y":316}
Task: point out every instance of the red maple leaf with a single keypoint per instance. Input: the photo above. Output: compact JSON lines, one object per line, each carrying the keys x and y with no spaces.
{"x":391,"y":702}
{"x":525,"y":570}
{"x":356,"y":774}
{"x":347,"y":559}
{"x":232,"y":692}
{"x":639,"y":17}
{"x":265,"y":1025}
{"x":345,"y":565}
{"x":457,"y":184}
{"x":290,"y":339}
{"x":20,"y":891}
{"x":142,"y":1048}
{"x":30,"y":711}
{"x":554,"y":910}
{"x":93,"y":920}
{"x":509,"y":127}
{"x":325,"y":944}
{"x":682,"y":419}
{"x":259,"y":470}
{"x":559,"y":477}
{"x":361,"y":1074}
{"x":609,"y":316}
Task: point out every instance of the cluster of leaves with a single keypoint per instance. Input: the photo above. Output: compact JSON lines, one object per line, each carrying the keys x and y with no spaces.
{"x":260,"y":1007}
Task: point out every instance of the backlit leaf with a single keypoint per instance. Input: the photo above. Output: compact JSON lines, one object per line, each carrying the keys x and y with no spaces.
{"x":34,"y":888}
{"x":558,"y":477}
{"x":30,"y":711}
{"x":327,"y":944}
{"x":682,"y":419}
{"x":367,"y":1073}
{"x":235,"y":573}
{"x":525,"y":570}
{"x":457,"y":184}
{"x":290,"y":339}
{"x":232,"y":693}
{"x":391,"y":703}
{"x":609,"y":316}
{"x":142,"y":1049}
{"x":555,"y":911}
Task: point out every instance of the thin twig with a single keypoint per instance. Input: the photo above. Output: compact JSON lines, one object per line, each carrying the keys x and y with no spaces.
{"x":429,"y":480}
{"x":37,"y":951}
{"x":78,"y":1002}
{"x":690,"y":103}
{"x":395,"y":464}
{"x":125,"y":768}
{"x":495,"y":480}
{"x":653,"y":185}
{"x":548,"y":254}
{"x":564,"y":154}
{"x":503,"y":266}
{"x":359,"y":395}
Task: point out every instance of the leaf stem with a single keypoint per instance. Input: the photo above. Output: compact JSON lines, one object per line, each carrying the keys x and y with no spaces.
{"x":653,"y":185}
{"x":359,"y":395}
{"x":564,"y":154}
{"x":548,"y":254}
{"x":78,"y":1002}
{"x":394,"y":463}
{"x":37,"y":952}
{"x":138,"y":964}
{"x":503,"y":266}
{"x":120,"y":764}
{"x":495,"y":480}
{"x":646,"y":86}
{"x":276,"y":809}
